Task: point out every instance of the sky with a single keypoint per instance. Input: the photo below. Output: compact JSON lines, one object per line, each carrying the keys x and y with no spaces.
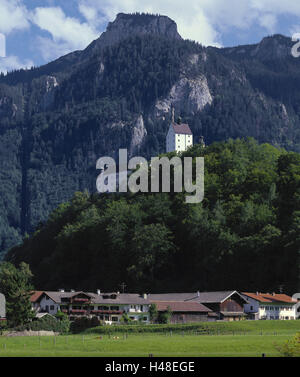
{"x":34,"y":32}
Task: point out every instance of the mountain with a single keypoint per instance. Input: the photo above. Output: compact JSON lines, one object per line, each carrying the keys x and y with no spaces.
{"x":58,"y":119}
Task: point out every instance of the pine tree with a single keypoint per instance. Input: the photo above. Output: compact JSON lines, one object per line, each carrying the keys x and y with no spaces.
{"x":16,"y":287}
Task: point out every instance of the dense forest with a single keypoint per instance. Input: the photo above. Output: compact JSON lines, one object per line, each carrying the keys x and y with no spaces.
{"x":245,"y":234}
{"x":58,"y":119}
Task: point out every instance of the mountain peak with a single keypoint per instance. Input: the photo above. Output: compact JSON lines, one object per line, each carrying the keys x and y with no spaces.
{"x":272,"y":47}
{"x":275,"y":46}
{"x":127,"y":25}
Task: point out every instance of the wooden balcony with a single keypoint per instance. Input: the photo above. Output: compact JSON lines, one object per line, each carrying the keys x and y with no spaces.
{"x":107,"y":311}
{"x":84,"y":300}
{"x":78,"y":311}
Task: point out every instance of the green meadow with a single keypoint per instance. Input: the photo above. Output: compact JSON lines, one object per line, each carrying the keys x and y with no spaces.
{"x":244,"y":339}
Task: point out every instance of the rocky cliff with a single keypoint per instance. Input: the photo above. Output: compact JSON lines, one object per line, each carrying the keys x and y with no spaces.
{"x":127,"y":25}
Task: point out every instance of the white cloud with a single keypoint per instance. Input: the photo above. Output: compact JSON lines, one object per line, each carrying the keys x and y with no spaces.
{"x":269,"y":22}
{"x":13,"y":16}
{"x":50,"y":49}
{"x":68,"y":34}
{"x":13,"y":62}
{"x":63,"y":28}
{"x":88,"y":12}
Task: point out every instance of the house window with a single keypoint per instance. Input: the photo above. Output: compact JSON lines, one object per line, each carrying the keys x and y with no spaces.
{"x":51,"y":307}
{"x":114,"y":308}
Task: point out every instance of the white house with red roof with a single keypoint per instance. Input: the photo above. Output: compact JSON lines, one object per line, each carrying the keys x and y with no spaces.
{"x":270,"y":306}
{"x":179,"y":137}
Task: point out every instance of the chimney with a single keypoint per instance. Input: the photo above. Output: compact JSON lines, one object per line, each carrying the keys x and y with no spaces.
{"x":61,"y":290}
{"x":73,"y":290}
{"x":198,"y":294}
{"x":145,"y":296}
{"x":273,"y":293}
{"x":98,"y":292}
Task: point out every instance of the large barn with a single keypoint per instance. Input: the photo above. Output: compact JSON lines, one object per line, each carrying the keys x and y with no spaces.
{"x":226,"y":305}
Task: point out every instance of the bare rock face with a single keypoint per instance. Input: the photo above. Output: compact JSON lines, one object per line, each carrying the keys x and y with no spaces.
{"x":7,"y":107}
{"x":187,"y":94}
{"x":48,"y":98}
{"x":128,"y":25}
{"x":275,"y":47}
{"x":139,"y":134}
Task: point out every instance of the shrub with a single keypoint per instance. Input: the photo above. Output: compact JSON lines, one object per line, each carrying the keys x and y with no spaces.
{"x":47,"y":323}
{"x":83,"y":323}
{"x":290,"y":348}
{"x":164,"y":317}
{"x":136,"y":327}
{"x":3,"y":326}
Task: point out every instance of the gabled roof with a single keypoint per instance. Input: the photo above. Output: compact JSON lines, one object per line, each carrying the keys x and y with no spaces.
{"x":202,"y":297}
{"x":42,"y":315}
{"x":36,"y":295}
{"x":122,"y":299}
{"x":269,"y":298}
{"x":171,"y":296}
{"x":216,"y":297}
{"x":181,"y":306}
{"x":182,"y":129}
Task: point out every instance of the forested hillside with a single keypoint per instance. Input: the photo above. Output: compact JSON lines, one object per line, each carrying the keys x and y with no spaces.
{"x":57,"y":120}
{"x":244,"y":235}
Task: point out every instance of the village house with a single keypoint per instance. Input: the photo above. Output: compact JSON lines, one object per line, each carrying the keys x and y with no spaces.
{"x":107,"y":307}
{"x":2,"y":307}
{"x":270,"y":306}
{"x":225,"y":305}
{"x":179,"y":137}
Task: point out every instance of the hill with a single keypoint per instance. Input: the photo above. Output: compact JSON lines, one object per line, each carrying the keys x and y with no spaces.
{"x":244,"y":235}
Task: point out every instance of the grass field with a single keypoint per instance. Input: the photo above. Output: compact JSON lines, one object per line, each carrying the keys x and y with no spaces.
{"x":250,"y":339}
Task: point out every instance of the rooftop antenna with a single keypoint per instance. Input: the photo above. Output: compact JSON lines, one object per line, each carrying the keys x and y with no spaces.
{"x":123,"y":286}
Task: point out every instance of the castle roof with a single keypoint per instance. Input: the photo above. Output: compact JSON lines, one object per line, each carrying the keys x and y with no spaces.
{"x":182,"y":129}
